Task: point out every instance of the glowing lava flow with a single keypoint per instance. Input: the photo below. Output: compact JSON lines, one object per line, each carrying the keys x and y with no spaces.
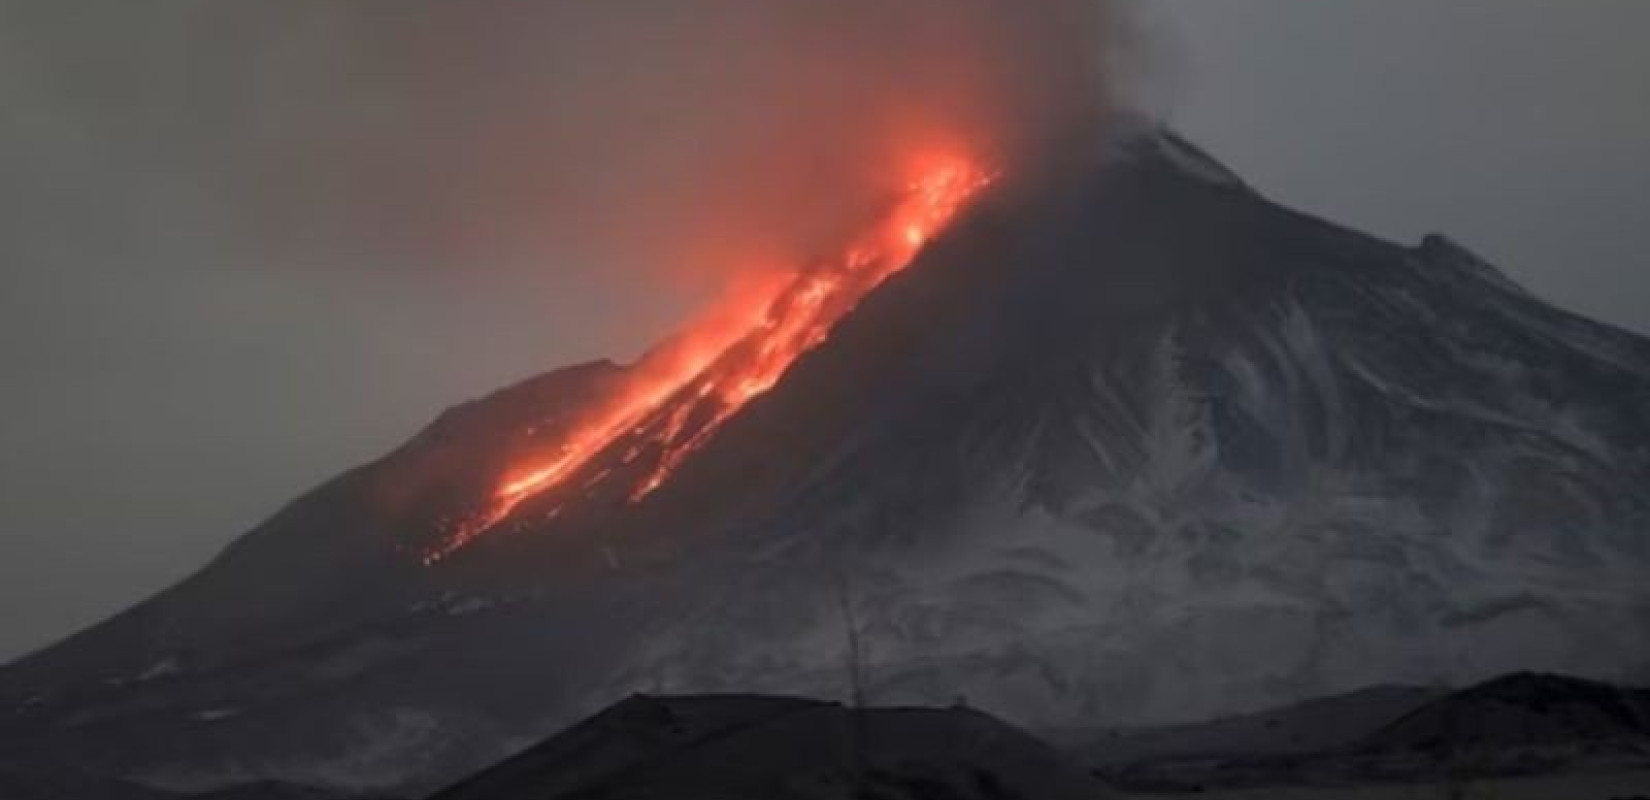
{"x":678,"y":400}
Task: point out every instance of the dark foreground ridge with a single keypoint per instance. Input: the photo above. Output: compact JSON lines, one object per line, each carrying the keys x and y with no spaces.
{"x":1541,"y":737}
{"x":761,"y":748}
{"x":728,"y":747}
{"x":1511,"y":727}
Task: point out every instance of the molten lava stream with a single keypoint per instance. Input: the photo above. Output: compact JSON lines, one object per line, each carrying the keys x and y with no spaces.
{"x":677,"y":401}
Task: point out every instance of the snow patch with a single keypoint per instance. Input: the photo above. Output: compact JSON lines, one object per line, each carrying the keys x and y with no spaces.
{"x":160,"y":669}
{"x":470,"y":605}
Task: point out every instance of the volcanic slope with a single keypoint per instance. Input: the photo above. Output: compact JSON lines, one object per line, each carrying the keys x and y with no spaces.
{"x":1126,"y":443}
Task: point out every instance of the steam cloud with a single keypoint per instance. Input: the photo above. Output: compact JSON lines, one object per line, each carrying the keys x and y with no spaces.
{"x":687,"y":138}
{"x":196,"y":194}
{"x":682,"y":138}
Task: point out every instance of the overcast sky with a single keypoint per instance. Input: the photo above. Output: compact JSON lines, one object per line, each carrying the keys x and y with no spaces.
{"x":168,"y":382}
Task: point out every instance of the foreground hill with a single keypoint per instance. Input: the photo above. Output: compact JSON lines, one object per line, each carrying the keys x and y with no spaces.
{"x":734,"y":748}
{"x":1567,"y":731}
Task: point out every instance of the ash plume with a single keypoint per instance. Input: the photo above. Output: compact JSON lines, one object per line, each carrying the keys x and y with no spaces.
{"x":682,"y":139}
{"x":379,"y":206}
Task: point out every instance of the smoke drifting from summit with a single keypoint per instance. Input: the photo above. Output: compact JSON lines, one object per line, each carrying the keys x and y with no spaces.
{"x":821,"y":143}
{"x":285,"y":235}
{"x":681,"y":139}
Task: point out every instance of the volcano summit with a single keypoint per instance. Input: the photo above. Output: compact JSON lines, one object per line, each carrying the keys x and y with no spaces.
{"x":1124,"y":442}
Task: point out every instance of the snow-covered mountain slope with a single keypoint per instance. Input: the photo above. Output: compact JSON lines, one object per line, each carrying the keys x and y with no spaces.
{"x":1220,"y":456}
{"x":1128,"y":444}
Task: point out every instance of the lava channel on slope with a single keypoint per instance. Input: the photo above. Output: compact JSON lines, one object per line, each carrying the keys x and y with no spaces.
{"x":676,"y":402}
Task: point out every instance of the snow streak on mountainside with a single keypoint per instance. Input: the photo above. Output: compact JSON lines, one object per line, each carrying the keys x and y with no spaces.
{"x":1125,"y":443}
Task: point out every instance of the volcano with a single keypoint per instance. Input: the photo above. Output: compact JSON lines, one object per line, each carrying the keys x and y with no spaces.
{"x":1121,"y":442}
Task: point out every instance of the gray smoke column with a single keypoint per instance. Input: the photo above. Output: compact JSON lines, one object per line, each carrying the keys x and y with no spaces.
{"x":247,"y":244}
{"x":686,"y":138}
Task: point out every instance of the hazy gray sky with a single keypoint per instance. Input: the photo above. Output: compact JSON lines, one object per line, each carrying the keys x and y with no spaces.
{"x":170,"y":380}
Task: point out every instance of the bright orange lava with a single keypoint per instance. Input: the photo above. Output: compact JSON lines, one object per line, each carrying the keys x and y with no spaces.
{"x":677,"y":400}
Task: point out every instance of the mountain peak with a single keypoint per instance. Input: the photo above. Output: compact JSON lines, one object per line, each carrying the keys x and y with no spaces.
{"x":1126,"y":443}
{"x":1139,"y":138}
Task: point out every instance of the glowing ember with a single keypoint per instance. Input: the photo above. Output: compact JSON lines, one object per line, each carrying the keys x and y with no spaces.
{"x":678,"y":399}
